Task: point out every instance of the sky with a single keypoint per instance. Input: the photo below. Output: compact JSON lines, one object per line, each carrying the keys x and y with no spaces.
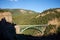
{"x":35,"y":5}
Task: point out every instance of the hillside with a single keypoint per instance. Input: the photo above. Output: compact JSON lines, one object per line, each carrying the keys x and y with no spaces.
{"x":50,"y":17}
{"x":47,"y":15}
{"x":21,"y":16}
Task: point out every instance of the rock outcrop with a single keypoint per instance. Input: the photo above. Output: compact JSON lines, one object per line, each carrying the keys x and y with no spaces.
{"x":7,"y":16}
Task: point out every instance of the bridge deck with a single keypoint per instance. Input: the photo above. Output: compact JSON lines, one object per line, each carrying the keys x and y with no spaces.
{"x":35,"y":25}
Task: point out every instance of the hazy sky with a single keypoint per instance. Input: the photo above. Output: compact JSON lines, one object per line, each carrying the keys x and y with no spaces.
{"x":36,"y":5}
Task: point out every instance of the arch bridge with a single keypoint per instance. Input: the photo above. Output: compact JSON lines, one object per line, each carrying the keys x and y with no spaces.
{"x":40,"y":28}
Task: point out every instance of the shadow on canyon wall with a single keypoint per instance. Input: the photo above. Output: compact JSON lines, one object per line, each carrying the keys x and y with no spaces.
{"x":7,"y":32}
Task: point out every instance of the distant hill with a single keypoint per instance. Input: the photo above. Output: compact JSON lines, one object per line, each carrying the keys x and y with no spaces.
{"x":21,"y":16}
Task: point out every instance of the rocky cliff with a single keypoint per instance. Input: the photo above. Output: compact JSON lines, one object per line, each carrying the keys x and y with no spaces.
{"x":6,"y":15}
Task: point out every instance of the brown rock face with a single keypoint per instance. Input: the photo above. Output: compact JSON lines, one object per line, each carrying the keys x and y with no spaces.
{"x":17,"y":27}
{"x":7,"y":16}
{"x":54,"y":22}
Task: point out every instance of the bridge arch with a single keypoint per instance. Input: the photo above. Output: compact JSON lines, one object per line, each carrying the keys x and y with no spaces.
{"x":32,"y":31}
{"x":34,"y":28}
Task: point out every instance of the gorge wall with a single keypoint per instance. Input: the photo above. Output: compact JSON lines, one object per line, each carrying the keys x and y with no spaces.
{"x":7,"y":16}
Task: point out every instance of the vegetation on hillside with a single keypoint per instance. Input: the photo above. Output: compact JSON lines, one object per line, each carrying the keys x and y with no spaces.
{"x":47,"y":17}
